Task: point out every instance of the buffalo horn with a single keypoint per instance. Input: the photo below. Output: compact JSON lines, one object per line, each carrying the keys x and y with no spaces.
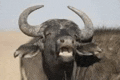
{"x":26,"y":28}
{"x":86,"y":33}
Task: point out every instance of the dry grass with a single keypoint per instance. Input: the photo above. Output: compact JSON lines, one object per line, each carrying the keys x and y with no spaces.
{"x":9,"y":66}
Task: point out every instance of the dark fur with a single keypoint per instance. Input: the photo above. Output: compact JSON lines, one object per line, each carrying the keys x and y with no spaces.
{"x":53,"y":67}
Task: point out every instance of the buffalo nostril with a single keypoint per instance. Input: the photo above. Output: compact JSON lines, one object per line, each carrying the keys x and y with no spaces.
{"x":72,"y":41}
{"x":62,"y":41}
{"x":41,"y":37}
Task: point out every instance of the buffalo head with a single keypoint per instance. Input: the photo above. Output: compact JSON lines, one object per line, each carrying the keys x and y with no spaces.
{"x":58,"y":37}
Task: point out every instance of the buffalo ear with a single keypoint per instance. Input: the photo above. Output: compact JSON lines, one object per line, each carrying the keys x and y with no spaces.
{"x":83,"y":49}
{"x":84,"y":53}
{"x":27,"y":51}
{"x":88,"y":49}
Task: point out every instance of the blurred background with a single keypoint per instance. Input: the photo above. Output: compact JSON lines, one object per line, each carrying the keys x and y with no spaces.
{"x":102,"y":12}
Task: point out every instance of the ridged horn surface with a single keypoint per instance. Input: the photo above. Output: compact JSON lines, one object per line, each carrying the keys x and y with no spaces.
{"x":88,"y":31}
{"x":27,"y":28}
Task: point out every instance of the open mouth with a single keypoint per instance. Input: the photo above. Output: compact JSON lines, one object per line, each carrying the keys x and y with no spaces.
{"x":66,"y":52}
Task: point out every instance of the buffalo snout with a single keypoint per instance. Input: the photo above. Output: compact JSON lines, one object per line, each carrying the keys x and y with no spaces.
{"x":66,"y":41}
{"x":66,"y":48}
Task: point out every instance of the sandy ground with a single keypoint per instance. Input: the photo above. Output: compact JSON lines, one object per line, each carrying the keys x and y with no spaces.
{"x":9,"y":42}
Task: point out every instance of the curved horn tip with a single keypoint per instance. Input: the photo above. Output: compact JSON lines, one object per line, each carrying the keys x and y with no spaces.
{"x":73,"y":9}
{"x":39,"y":6}
{"x":24,"y":26}
{"x":89,"y":30}
{"x":70,"y":7}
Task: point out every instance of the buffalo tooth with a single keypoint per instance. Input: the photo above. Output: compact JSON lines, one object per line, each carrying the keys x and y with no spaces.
{"x":65,"y":53}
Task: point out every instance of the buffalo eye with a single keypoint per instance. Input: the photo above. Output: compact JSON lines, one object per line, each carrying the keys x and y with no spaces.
{"x":72,"y":41}
{"x":77,"y":38}
{"x":62,"y":41}
{"x":41,"y":37}
{"x":48,"y":34}
{"x":79,"y":47}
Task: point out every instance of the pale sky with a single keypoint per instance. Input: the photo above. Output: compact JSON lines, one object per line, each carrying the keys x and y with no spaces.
{"x":101,"y":12}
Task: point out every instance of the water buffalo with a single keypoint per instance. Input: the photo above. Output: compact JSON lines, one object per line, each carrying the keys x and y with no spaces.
{"x":51,"y":53}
